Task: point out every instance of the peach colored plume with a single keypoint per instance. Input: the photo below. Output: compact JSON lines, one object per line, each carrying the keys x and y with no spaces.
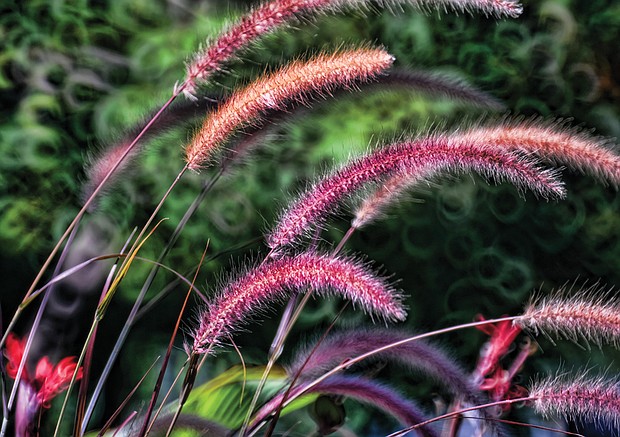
{"x":276,"y":14}
{"x":248,"y":294}
{"x":294,"y":82}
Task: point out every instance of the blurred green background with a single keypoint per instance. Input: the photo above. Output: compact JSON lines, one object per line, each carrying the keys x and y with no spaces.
{"x":75,"y":75}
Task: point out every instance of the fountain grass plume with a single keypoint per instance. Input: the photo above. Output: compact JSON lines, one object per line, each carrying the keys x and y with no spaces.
{"x":101,"y":163}
{"x":248,"y":293}
{"x":360,"y":389}
{"x":297,"y":81}
{"x":378,"y":395}
{"x":419,"y":157}
{"x":591,"y":314}
{"x":436,"y":85}
{"x":419,"y":356}
{"x":277,"y":14}
{"x":580,"y":397}
{"x":394,"y":80}
{"x":553,"y":141}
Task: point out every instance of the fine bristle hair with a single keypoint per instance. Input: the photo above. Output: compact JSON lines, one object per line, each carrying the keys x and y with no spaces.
{"x":298,"y":81}
{"x":580,"y":397}
{"x":418,"y":158}
{"x":277,"y":14}
{"x":245,"y":295}
{"x":591,"y":314}
{"x":552,"y":141}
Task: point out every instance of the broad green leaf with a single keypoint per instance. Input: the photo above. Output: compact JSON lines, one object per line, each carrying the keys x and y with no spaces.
{"x":226,"y":398}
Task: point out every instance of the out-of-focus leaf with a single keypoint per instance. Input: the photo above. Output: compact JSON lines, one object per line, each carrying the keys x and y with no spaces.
{"x":225,"y":399}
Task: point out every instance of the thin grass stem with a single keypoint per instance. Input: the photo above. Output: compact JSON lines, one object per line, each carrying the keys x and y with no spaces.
{"x":84,"y":208}
{"x":109,"y":422}
{"x":346,"y":364}
{"x":206,"y":188}
{"x":164,"y":365}
{"x":91,"y":347}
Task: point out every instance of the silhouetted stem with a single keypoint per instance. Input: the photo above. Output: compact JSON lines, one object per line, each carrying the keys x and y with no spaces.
{"x":188,"y":384}
{"x":349,"y":363}
{"x":164,"y":365}
{"x":33,"y":330}
{"x":109,"y":422}
{"x":344,"y":240}
{"x":459,"y":412}
{"x":80,"y":360}
{"x":207,"y":186}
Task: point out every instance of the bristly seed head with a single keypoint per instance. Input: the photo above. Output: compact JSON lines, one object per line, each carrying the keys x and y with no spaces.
{"x":418,"y":356}
{"x":579,"y":397}
{"x":276,"y":14}
{"x":249,"y":293}
{"x":295,"y":82}
{"x":590,"y":314}
{"x":552,"y":142}
{"x":417,"y":159}
{"x":555,"y":142}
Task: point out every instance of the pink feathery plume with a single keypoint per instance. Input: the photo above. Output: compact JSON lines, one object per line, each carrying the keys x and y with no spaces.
{"x":247,"y":294}
{"x":591,"y":314}
{"x":554,"y":142}
{"x":277,"y":14}
{"x":579,"y":397}
{"x":419,"y":158}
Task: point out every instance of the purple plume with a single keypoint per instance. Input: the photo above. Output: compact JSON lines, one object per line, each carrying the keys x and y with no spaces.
{"x":416,"y":355}
{"x":363,"y":390}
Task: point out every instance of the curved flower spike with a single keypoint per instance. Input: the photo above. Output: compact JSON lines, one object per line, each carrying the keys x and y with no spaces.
{"x":417,"y":159}
{"x":249,"y":293}
{"x":581,"y":397}
{"x":554,"y":142}
{"x":418,"y":356}
{"x":294,"y":82}
{"x":270,"y":16}
{"x":591,"y":314}
{"x":363,"y":390}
